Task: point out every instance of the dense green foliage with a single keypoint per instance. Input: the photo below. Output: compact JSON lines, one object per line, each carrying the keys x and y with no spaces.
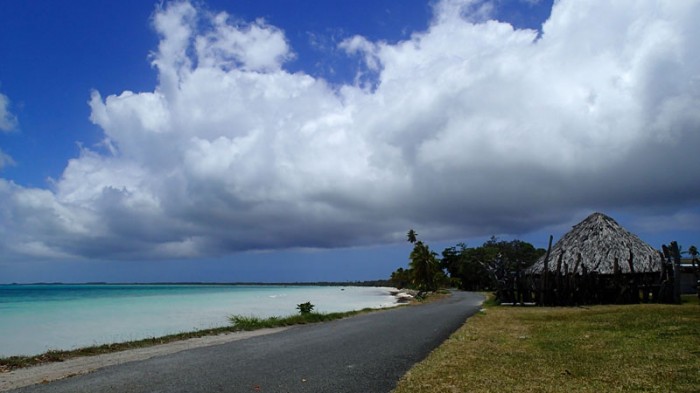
{"x":473,"y":269}
{"x":493,"y":259}
{"x":305,"y":308}
{"x":427,"y":274}
{"x":466,"y":268}
{"x":424,"y":273}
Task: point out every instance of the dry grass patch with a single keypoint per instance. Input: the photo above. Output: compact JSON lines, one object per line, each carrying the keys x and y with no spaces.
{"x":635,"y":348}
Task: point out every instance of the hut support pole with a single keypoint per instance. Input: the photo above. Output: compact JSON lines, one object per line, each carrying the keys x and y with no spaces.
{"x":545,"y":273}
{"x":675,"y":252}
{"x":558,"y":279}
{"x":634,"y":286}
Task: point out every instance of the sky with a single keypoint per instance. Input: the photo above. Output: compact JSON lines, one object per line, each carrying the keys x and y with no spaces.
{"x":224,"y":141}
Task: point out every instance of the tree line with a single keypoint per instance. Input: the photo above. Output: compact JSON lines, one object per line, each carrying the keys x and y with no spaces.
{"x":500,"y":265}
{"x":467,"y":268}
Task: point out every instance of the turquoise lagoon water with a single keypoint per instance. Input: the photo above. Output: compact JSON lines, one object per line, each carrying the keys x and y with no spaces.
{"x":38,"y":318}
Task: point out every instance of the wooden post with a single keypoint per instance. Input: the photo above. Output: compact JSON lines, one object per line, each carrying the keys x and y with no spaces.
{"x":619,"y":288}
{"x":696,"y":273}
{"x":665,"y":276}
{"x":574,"y":285}
{"x":634,"y":287}
{"x":676,"y":254}
{"x":557,"y":278}
{"x":545,"y":271}
{"x":585,"y":286}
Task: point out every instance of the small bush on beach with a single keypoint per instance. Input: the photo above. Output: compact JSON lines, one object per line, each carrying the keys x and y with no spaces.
{"x":305,"y":308}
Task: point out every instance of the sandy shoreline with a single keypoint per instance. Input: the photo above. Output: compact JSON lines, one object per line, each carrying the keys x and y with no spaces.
{"x":48,"y":372}
{"x":83,"y":365}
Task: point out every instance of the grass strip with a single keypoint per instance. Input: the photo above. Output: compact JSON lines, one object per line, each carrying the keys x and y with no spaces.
{"x":630,"y":348}
{"x":247,"y":323}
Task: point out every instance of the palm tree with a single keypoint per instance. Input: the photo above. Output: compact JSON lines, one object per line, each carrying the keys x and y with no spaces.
{"x":693,"y":252}
{"x":412,"y":236}
{"x":424,"y":266}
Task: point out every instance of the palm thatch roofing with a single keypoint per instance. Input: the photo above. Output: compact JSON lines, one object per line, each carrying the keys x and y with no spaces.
{"x":599,"y":244}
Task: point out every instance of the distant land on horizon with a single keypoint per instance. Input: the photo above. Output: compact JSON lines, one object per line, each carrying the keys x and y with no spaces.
{"x":367,"y":283}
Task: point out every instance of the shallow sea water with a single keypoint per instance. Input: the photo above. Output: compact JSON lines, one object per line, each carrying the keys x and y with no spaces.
{"x":38,"y":318}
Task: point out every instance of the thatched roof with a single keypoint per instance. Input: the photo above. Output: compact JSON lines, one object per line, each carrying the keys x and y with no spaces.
{"x":595,"y":243}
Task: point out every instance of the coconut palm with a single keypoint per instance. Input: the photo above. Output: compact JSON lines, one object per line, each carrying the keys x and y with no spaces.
{"x":425,"y":267}
{"x":412,"y":236}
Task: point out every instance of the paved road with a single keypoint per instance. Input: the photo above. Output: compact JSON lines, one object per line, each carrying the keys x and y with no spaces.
{"x":367,"y":353}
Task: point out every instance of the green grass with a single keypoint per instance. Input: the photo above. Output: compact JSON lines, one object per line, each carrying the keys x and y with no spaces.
{"x":631,"y":348}
{"x":241,"y":322}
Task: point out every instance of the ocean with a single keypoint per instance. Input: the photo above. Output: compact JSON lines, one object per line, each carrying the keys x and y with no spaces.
{"x":38,"y":318}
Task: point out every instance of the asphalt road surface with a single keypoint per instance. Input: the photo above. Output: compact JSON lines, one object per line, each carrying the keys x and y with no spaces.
{"x":365,"y":354}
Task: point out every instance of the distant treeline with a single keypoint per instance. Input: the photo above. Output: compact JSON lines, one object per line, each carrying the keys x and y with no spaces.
{"x":468,"y":268}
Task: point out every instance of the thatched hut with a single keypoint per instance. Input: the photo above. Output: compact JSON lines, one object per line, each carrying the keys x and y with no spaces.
{"x":598,"y":261}
{"x":600,"y":245}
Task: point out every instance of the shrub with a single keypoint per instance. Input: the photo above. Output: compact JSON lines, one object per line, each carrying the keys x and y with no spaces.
{"x":305,"y":308}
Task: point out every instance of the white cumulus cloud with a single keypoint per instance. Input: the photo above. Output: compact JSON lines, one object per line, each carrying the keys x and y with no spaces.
{"x":8,"y":121}
{"x":472,"y":128}
{"x":5,"y":160}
